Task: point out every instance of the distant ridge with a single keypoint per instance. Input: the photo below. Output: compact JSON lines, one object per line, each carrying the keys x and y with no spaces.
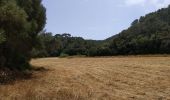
{"x":148,"y":35}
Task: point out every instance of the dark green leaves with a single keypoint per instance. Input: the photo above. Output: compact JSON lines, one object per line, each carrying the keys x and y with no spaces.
{"x":20,"y":23}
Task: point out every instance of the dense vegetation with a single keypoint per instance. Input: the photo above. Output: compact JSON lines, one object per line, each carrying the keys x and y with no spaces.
{"x":20,"y":23}
{"x":64,"y":45}
{"x":21,"y":36}
{"x":148,"y":35}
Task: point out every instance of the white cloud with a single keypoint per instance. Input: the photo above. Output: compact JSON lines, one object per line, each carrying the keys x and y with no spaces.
{"x":153,"y":3}
{"x":160,"y":3}
{"x":134,"y":2}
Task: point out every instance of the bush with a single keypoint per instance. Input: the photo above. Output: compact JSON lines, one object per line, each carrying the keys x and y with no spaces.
{"x":62,"y":55}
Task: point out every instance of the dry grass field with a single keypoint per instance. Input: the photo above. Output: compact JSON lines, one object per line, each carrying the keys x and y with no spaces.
{"x":112,"y":78}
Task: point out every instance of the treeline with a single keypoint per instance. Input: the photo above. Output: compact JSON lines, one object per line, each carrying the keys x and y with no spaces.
{"x":20,"y":23}
{"x":64,"y":45}
{"x":148,"y":35}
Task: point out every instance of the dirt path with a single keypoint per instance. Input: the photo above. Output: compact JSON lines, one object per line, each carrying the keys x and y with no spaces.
{"x":114,"y":78}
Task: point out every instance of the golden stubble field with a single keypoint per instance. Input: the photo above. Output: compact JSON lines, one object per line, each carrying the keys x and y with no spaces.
{"x":112,"y":78}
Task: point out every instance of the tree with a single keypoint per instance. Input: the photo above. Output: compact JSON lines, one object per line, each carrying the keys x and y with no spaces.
{"x":21,"y":25}
{"x":2,"y":37}
{"x":135,"y":22}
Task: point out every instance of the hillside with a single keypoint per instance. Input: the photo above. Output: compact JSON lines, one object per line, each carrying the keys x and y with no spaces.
{"x":148,"y":35}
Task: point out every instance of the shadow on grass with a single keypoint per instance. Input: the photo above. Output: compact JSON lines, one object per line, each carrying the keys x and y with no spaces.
{"x":8,"y":76}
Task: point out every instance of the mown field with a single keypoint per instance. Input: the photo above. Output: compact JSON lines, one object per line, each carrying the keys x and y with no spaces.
{"x":112,"y":78}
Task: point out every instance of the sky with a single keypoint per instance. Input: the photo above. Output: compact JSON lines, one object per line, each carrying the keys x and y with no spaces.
{"x":96,"y":19}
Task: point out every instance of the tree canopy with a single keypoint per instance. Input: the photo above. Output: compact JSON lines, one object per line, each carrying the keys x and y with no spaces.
{"x":148,"y":35}
{"x":20,"y":23}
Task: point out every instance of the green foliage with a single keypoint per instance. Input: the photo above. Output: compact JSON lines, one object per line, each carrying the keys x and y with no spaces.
{"x":21,"y":21}
{"x":63,"y":43}
{"x":63,"y":55}
{"x":135,"y":22}
{"x":148,"y":35}
{"x":2,"y":37}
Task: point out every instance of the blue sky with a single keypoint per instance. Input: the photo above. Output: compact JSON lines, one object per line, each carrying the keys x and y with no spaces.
{"x":96,"y":19}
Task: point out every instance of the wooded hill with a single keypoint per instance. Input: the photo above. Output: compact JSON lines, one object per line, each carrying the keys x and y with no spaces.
{"x":149,"y":34}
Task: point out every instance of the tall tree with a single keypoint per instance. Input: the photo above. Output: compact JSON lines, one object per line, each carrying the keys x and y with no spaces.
{"x":21,"y":21}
